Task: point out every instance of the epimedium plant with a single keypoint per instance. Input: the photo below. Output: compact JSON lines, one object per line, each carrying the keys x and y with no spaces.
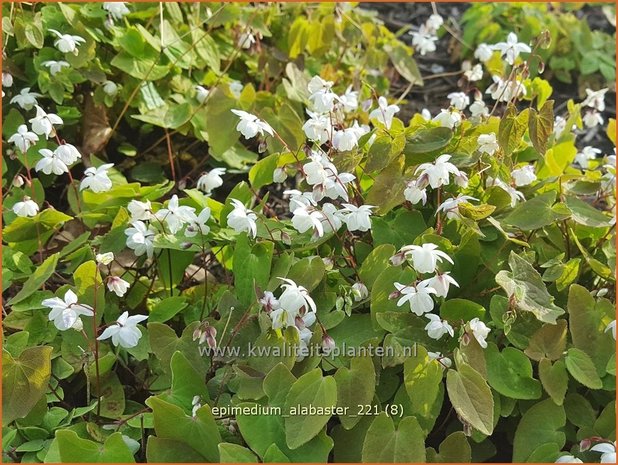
{"x":339,"y":284}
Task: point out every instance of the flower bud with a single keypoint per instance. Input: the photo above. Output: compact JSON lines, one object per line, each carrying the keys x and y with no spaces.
{"x":328,"y":344}
{"x":18,"y":181}
{"x":585,"y":444}
{"x":279,"y":175}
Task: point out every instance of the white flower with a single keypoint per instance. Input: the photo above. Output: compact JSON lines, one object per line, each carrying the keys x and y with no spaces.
{"x":236,"y":88}
{"x":424,"y":41}
{"x":105,"y":258}
{"x":448,"y":119}
{"x":23,"y":139}
{"x":356,"y":218}
{"x":242,"y":219}
{"x":330,"y":218}
{"x":559,"y":126}
{"x":116,"y":9}
{"x":483,"y":52}
{"x":50,"y":163}
{"x":438,"y":172}
{"x":322,"y":97}
{"x":27,"y":207}
{"x":478,"y":109}
{"x":269,"y":302}
{"x":306,"y":218}
{"x":587,"y":153}
{"x":67,"y":153}
{"x":175,"y":215}
{"x":451,"y":206}
{"x":139,"y":238}
{"x":441,"y":283}
{"x":140,"y":211}
{"x":246,"y":40}
{"x":349,"y":100}
{"x":117,"y":285}
{"x":414,"y":194}
{"x":26,"y":99}
{"x":347,"y":139}
{"x":202,"y":93}
{"x":474,"y":73}
{"x":418,"y":297}
{"x":299,"y":199}
{"x":479,"y":331}
{"x":426,"y":114}
{"x":250,"y":125}
{"x":325,"y":179}
{"x":279,"y":175}
{"x":198,"y":225}
{"x":434,"y":22}
{"x":444,"y":362}
{"x":607,"y":450}
{"x":318,"y":127}
{"x":425,"y":258}
{"x":592,"y":119}
{"x":515,"y":195}
{"x":295,"y":297}
{"x":211,"y":180}
{"x":459,"y":100}
{"x":568,"y":459}
{"x":436,"y":328}
{"x":282,"y":317}
{"x":55,"y":67}
{"x":504,"y":91}
{"x":66,"y":313}
{"x":67,"y":43}
{"x":110,"y":88}
{"x":511,"y":49}
{"x":384,"y":113}
{"x":524,"y":175}
{"x":124,"y":332}
{"x":7,"y":79}
{"x":359,"y":291}
{"x":488,"y":143}
{"x":612,"y":327}
{"x":595,"y":99}
{"x":97,"y":179}
{"x":43,"y":123}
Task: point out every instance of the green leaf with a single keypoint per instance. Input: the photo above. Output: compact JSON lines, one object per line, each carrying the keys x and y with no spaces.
{"x":261,"y":174}
{"x":541,"y":126}
{"x":383,"y":150}
{"x":73,"y":449}
{"x":541,"y":424}
{"x":37,"y":279}
{"x":512,"y":128}
{"x":554,"y":378}
{"x":454,"y":449}
{"x":510,"y":373}
{"x":582,"y":368}
{"x":535,"y":213}
{"x":376,"y":261}
{"x":187,"y":382}
{"x":307,"y":272}
{"x":23,"y":229}
{"x":355,"y":386}
{"x":548,"y":342}
{"x":584,"y":213}
{"x":426,"y":141}
{"x":24,"y":381}
{"x":310,"y":390}
{"x":160,"y":450}
{"x":233,"y":453}
{"x":404,"y":63}
{"x":455,"y":310}
{"x":382,"y":289}
{"x":251,"y":268}
{"x":383,"y":443}
{"x":167,"y":309}
{"x":387,"y":190}
{"x":471,"y":397}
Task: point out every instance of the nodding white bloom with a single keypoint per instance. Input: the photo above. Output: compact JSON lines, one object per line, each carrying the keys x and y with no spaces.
{"x":415,"y":194}
{"x":347,"y":139}
{"x":595,"y":99}
{"x":279,"y":175}
{"x":330,"y":218}
{"x":50,"y":163}
{"x":472,"y":73}
{"x":515,"y":195}
{"x":444,"y":362}
{"x":505,"y":91}
{"x":424,"y":40}
{"x":448,"y":118}
{"x":198,"y":225}
{"x":97,"y":179}
{"x":236,"y":88}
{"x":488,"y":143}
{"x":461,"y":179}
{"x":318,"y":127}
{"x":201,"y":93}
{"x":117,"y":285}
{"x":124,"y":332}
{"x":23,"y":139}
{"x":479,"y":330}
{"x":250,"y":125}
{"x":282,"y":317}
{"x":26,"y":99}
{"x":434,"y":22}
{"x":559,"y":126}
{"x":295,"y":297}
{"x":306,"y":218}
{"x":438,"y":172}
{"x":418,"y":297}
{"x":612,"y":327}
{"x":478,"y":109}
{"x":384,"y":113}
{"x":67,"y":153}
{"x":299,"y":199}
{"x":246,"y":40}
{"x":54,"y":66}
{"x":607,"y":450}
{"x":242,"y":219}
{"x":110,"y":88}
{"x":43,"y":123}
{"x":426,"y":114}
{"x":195,"y":405}
{"x":211,"y":180}
{"x":7,"y":79}
{"x":592,"y":119}
{"x":117,"y":10}
{"x":568,"y":459}
{"x":175,"y":215}
{"x":524,"y":175}
{"x":483,"y":52}
{"x":511,"y":49}
{"x":105,"y":258}
{"x":27,"y":207}
{"x":322,"y":98}
{"x":359,"y":291}
{"x":349,"y":100}
{"x":140,"y":238}
{"x":356,"y":218}
{"x":459,"y":100}
{"x":437,"y":327}
{"x":325,"y":179}
{"x":451,"y":206}
{"x":441,"y":282}
{"x":66,"y":313}
{"x":425,"y":258}
{"x":140,"y":211}
{"x":67,"y":43}
{"x":269,"y":302}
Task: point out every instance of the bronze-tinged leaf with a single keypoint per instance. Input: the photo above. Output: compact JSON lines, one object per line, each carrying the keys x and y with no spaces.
{"x":96,"y":130}
{"x":541,"y":125}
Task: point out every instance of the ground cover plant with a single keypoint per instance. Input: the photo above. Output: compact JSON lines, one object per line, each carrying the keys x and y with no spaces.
{"x":228,"y":238}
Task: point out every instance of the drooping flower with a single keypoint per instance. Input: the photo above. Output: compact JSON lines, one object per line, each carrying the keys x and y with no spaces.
{"x":612,"y":327}
{"x":246,"y":40}
{"x":425,"y":258}
{"x":442,"y":360}
{"x":67,"y":153}
{"x":43,"y":123}
{"x":424,"y":40}
{"x":55,"y":67}
{"x":357,"y":218}
{"x":524,"y":175}
{"x":236,"y":88}
{"x":586,"y":154}
{"x":295,"y":297}
{"x":330,"y":218}
{"x":124,"y":332}
{"x":478,"y":109}
{"x":592,"y":118}
{"x":441,"y":283}
{"x":483,"y":52}
{"x":437,"y":327}
{"x":473,"y":73}
{"x":359,"y":291}
{"x":488,"y":143}
{"x":347,"y":139}
{"x":97,"y":179}
{"x":66,"y":313}
{"x":459,"y":100}
{"x":322,"y":174}
{"x":50,"y":163}
{"x":140,"y":238}
{"x":117,"y":10}
{"x":568,"y":459}
{"x":7,"y":79}
{"x":269,"y":302}
{"x":318,"y":127}
{"x":479,"y":330}
{"x":448,"y":118}
{"x":117,"y":285}
{"x":415,"y":194}
{"x":305,"y":218}
{"x":26,"y":99}
{"x":349,"y":100}
{"x":321,"y":96}
{"x":250,"y":125}
{"x":198,"y":225}
{"x":23,"y":139}
{"x":451,"y":206}
{"x":438,"y":172}
{"x":511,"y":49}
{"x":104,"y":258}
{"x":418,"y":297}
{"x":201,"y":93}
{"x":595,"y":99}
{"x":27,"y":207}
{"x":384,"y":113}
{"x":110,"y":88}
{"x":211,"y":180}
{"x":241,"y":219}
{"x":299,"y":199}
{"x":67,"y":43}
{"x":607,"y":450}
{"x":175,"y":215}
{"x":140,"y":211}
